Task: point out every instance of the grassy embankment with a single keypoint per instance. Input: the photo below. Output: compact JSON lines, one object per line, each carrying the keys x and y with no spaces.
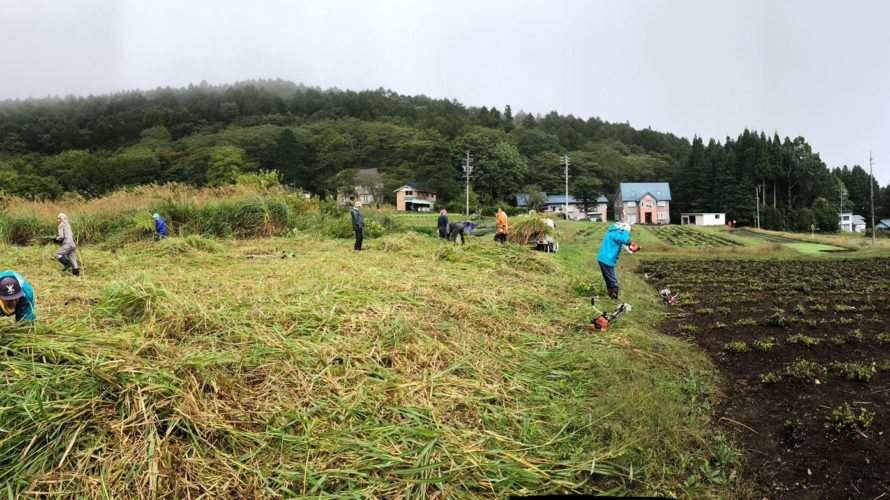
{"x":186,"y":368}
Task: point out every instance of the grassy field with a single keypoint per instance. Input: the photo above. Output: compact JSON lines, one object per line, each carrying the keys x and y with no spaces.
{"x":196,"y":367}
{"x":201,"y":367}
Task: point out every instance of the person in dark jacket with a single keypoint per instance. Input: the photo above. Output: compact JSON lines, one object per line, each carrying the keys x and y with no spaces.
{"x":160,"y":226}
{"x":454,"y":229}
{"x":358,"y":225}
{"x":442,"y":224}
{"x":16,"y":296}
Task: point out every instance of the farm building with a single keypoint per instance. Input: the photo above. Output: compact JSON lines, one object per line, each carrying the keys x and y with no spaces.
{"x":703,"y":218}
{"x":556,"y":203}
{"x":413,"y":199}
{"x":883,"y":225}
{"x":643,"y":203}
{"x":852,"y":223}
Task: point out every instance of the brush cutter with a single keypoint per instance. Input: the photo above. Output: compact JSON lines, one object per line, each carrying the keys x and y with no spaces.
{"x":602,"y":321}
{"x":668,"y":298}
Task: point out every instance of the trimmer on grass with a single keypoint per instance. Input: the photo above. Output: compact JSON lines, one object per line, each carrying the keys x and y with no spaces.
{"x":602,"y":321}
{"x":668,"y":298}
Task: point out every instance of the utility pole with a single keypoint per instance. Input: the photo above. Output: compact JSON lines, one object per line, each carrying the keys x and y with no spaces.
{"x":468,"y":169}
{"x":757,"y":202}
{"x":565,"y":161}
{"x":871,"y":177}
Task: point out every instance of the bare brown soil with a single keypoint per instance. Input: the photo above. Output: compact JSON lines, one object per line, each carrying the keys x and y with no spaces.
{"x":829,"y":323}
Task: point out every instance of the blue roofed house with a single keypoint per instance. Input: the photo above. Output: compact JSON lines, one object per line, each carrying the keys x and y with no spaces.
{"x":643,"y":203}
{"x":556,"y":203}
{"x":883,"y":225}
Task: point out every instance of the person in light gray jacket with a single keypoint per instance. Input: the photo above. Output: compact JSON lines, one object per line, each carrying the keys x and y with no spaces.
{"x":66,"y":253}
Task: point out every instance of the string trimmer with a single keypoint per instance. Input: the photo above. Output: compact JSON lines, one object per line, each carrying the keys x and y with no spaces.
{"x":667,"y":297}
{"x":602,"y":321}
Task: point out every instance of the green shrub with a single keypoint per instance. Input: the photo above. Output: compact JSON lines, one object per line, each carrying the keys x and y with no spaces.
{"x":883,"y":338}
{"x":803,"y":340}
{"x":770,"y":378}
{"x":852,"y":371}
{"x":846,"y":419}
{"x":688,"y":328}
{"x":777,"y":319}
{"x":736,"y":347}
{"x":805,"y":370}
{"x":764,"y":344}
{"x":745,"y":322}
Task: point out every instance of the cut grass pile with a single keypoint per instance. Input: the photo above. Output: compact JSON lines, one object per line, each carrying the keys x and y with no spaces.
{"x":169,"y":372}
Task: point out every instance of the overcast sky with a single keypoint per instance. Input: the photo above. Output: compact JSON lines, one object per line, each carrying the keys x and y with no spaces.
{"x":710,"y":68}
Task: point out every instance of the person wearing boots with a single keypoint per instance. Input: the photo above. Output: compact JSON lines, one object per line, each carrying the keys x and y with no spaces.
{"x":16,"y":296}
{"x":66,"y":253}
{"x":358,"y":224}
{"x":616,"y":237}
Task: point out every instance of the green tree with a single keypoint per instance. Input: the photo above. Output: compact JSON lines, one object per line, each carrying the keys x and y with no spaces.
{"x":534,"y":198}
{"x":224,"y":165}
{"x":586,"y":190}
{"x":826,"y":215}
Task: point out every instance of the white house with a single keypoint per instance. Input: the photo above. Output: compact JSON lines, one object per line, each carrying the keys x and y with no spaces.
{"x":703,"y":218}
{"x":883,"y":225}
{"x":851,"y":223}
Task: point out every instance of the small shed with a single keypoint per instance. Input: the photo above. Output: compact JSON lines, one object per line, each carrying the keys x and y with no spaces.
{"x":703,"y":218}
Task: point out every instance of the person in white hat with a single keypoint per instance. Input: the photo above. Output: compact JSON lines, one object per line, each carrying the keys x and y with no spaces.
{"x":66,"y":253}
{"x":617,"y":236}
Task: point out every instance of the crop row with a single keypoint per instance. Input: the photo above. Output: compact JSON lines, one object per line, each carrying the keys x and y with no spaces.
{"x":687,"y":237}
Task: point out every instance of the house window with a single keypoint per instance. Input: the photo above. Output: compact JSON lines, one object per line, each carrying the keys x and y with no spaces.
{"x":631,"y":204}
{"x":409,"y":193}
{"x":716,"y":216}
{"x":631,"y":219}
{"x":662,"y":216}
{"x":366,"y":198}
{"x":662,"y":203}
{"x":648,"y":204}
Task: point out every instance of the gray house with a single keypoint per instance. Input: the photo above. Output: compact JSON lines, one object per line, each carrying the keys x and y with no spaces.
{"x":643,"y":203}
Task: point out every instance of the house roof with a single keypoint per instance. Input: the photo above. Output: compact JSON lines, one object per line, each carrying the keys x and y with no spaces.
{"x":367,"y":171}
{"x":858,"y":220}
{"x":884,"y":222}
{"x":553,"y":199}
{"x":602,"y":199}
{"x":559,"y":199}
{"x":414,"y":186}
{"x":635,"y":191}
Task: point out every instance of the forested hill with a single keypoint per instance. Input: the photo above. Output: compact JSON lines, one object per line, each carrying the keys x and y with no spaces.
{"x":204,"y":134}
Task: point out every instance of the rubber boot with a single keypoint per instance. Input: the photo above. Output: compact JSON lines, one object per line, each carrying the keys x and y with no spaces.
{"x":76,"y":271}
{"x":613,"y":293}
{"x":65,"y":262}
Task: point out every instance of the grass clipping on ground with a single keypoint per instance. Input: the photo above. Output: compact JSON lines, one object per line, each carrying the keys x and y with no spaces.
{"x":380,"y":373}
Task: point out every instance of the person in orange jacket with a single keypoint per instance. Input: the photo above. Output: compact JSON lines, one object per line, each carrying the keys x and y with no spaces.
{"x":501,"y":227}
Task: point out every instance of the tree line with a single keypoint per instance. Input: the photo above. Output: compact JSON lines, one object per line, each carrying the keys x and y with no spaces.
{"x":316,"y":139}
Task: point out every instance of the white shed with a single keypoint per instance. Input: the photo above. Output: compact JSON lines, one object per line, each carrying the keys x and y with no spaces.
{"x":703,"y":218}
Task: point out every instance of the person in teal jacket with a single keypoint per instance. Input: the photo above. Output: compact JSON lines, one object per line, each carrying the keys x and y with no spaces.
{"x":16,"y":296}
{"x":617,"y":236}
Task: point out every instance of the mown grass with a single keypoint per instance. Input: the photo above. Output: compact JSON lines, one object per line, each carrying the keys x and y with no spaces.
{"x":163,"y":371}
